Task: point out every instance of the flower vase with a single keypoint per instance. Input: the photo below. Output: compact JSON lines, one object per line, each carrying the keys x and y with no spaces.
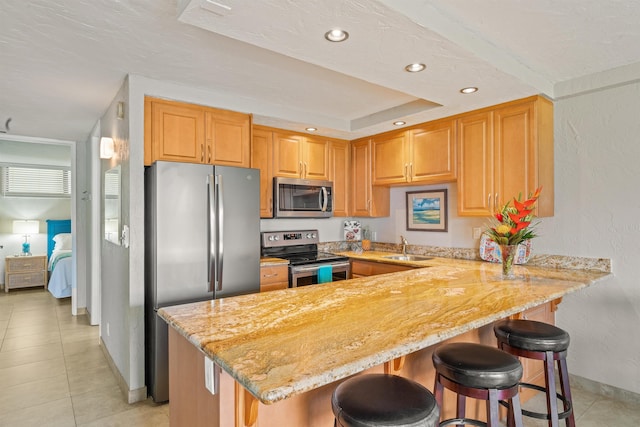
{"x":508,"y":254}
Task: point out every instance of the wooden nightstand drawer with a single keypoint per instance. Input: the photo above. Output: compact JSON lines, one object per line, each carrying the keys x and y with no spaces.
{"x":25,"y":271}
{"x":19,"y":280}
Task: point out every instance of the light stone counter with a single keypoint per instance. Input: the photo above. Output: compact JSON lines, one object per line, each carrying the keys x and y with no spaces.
{"x":282,"y":343}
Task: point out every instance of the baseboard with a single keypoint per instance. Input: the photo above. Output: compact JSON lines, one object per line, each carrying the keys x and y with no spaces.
{"x":606,"y":390}
{"x":81,"y":311}
{"x":131,"y":396}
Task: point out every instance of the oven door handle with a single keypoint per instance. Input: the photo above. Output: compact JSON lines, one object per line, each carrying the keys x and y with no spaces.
{"x":315,"y":267}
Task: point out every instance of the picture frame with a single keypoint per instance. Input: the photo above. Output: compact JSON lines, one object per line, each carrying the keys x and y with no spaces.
{"x":427,"y":210}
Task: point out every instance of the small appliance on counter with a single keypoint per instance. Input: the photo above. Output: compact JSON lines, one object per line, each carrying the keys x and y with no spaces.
{"x":307,"y":265}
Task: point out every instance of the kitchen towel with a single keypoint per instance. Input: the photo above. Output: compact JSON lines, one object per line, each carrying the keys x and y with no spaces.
{"x":325,"y":274}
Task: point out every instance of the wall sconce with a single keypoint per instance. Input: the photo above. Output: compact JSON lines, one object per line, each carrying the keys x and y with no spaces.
{"x":107,"y":147}
{"x":26,"y":228}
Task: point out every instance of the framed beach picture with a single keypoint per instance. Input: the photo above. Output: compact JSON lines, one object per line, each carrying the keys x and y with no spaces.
{"x":427,"y":210}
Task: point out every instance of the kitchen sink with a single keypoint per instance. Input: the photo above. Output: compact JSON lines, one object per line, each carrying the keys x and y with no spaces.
{"x":408,"y":257}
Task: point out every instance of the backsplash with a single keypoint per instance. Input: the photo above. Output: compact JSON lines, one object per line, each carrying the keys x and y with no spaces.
{"x":548,"y":261}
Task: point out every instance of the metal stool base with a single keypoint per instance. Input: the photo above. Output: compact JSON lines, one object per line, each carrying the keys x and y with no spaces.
{"x":543,"y":415}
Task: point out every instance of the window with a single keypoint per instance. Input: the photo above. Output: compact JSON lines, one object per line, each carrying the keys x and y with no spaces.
{"x":36,"y":181}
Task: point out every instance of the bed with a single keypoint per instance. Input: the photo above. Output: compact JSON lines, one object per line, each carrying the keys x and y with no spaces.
{"x":59,"y":254}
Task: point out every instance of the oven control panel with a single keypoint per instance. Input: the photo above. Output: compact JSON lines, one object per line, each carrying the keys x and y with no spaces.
{"x":270,"y":239}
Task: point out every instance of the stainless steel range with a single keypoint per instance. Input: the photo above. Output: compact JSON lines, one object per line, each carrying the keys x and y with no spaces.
{"x":306,"y":263}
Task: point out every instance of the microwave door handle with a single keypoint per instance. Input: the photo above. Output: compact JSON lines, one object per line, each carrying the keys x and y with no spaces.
{"x":211,"y":235}
{"x":220,"y":205}
{"x":324,"y":199}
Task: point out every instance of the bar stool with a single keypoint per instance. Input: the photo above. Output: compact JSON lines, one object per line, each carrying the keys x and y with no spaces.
{"x":541,"y":341}
{"x":383,"y":400}
{"x":482,"y":372}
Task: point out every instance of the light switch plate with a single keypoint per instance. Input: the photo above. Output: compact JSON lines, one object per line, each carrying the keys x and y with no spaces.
{"x":477,"y":232}
{"x":211,"y":376}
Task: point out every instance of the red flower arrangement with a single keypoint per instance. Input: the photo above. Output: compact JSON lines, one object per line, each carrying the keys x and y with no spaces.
{"x":514,"y":224}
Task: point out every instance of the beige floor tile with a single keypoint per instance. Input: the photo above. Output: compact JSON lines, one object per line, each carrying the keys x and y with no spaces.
{"x":40,"y":328}
{"x":34,"y":393}
{"x":74,"y":347}
{"x":143,"y":416}
{"x":606,"y":412}
{"x":91,"y":379}
{"x":31,"y":372}
{"x":58,"y":413}
{"x":92,"y":356}
{"x":30,"y":355}
{"x":87,"y":333}
{"x":27,"y":341}
{"x":98,"y":404}
{"x":5,"y":313}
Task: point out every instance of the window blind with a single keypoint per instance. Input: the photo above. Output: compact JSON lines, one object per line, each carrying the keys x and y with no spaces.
{"x":36,"y":181}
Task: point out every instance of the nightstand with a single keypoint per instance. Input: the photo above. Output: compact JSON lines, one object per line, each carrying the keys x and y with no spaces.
{"x":25,"y":271}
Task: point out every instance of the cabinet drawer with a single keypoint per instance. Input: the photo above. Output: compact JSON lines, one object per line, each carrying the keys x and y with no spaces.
{"x":18,"y":280}
{"x":274,"y":274}
{"x":25,"y":264}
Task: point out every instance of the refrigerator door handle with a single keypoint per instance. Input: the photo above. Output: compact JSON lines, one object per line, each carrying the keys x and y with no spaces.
{"x":212,"y":235}
{"x":220,"y":217}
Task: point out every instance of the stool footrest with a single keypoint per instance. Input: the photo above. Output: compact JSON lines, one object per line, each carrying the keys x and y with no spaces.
{"x":543,"y":415}
{"x":463,"y":421}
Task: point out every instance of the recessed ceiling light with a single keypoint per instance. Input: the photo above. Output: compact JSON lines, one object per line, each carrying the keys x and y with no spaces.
{"x":415,"y":68}
{"x":311,"y":129}
{"x":399,"y":123}
{"x":336,"y":35}
{"x":469,"y":89}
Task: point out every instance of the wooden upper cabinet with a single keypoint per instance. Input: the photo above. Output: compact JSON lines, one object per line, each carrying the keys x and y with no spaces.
{"x":475,"y":165}
{"x":298,"y":156}
{"x":228,"y":138}
{"x":287,"y":155}
{"x":432,"y":156}
{"x":189,"y":133}
{"x":262,"y":158}
{"x":366,"y":200}
{"x":315,"y":158}
{"x":390,"y":158}
{"x":340,"y":165}
{"x":177,"y":132}
{"x":506,"y":151}
{"x":425,"y":154}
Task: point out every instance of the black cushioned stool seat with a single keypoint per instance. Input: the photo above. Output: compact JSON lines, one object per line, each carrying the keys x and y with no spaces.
{"x":481,"y":372}
{"x":541,"y":341}
{"x":383,"y":400}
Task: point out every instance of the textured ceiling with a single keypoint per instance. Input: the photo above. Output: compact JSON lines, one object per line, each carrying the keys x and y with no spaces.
{"x":62,"y":61}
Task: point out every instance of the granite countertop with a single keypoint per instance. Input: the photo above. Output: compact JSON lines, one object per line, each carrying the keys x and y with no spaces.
{"x":299,"y":339}
{"x":268,"y":261}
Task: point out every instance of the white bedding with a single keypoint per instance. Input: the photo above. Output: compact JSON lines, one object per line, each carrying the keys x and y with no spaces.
{"x":60,"y":277}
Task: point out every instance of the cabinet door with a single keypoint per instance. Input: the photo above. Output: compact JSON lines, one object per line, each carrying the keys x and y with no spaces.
{"x":433,"y":152}
{"x":177,"y":132}
{"x":390,"y":154}
{"x":366,"y":200}
{"x":315,"y":158}
{"x":287,"y":155}
{"x":339,"y":165}
{"x":262,"y":158}
{"x":228,"y":138}
{"x":475,"y":165}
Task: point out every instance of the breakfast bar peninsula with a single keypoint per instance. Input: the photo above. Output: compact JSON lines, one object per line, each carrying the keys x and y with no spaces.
{"x":280,"y":354}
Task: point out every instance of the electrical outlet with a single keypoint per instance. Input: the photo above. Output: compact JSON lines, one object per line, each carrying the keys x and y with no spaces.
{"x":108,"y":334}
{"x":477,"y":232}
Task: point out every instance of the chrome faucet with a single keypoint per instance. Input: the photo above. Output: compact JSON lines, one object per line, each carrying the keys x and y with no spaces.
{"x":404,"y":245}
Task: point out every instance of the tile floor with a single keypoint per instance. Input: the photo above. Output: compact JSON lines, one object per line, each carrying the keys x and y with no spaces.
{"x":53,"y":373}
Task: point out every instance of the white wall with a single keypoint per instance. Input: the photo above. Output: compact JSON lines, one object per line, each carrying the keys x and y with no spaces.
{"x":597,"y":215}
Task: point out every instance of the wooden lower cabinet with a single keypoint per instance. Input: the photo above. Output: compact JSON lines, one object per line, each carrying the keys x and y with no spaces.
{"x":193,"y":405}
{"x":370,"y":268}
{"x":274,"y":277}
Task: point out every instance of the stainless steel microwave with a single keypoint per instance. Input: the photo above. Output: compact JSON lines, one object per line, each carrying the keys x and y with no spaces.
{"x":302,"y":198}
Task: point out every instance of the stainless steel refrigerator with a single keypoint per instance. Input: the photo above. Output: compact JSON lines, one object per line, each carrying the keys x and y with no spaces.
{"x":202,"y":237}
